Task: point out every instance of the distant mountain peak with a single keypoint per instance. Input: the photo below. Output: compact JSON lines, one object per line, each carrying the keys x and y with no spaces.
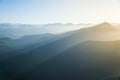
{"x":105,"y":24}
{"x":104,"y":27}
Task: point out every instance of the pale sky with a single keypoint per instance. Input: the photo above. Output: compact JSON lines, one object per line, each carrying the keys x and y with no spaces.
{"x":59,"y":11}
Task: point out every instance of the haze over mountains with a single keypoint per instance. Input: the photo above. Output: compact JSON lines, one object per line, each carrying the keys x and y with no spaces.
{"x":90,"y":53}
{"x":19,"y":30}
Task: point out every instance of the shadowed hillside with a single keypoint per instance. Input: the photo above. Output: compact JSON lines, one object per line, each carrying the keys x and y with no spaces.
{"x":90,"y":60}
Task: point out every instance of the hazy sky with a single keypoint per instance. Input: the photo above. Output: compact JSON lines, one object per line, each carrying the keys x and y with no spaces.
{"x":60,"y":11}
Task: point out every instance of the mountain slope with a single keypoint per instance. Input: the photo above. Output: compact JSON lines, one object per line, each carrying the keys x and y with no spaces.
{"x":90,"y":60}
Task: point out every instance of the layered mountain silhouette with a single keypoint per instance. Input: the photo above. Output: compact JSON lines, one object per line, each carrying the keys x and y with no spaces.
{"x":94,"y":33}
{"x":85,"y":54}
